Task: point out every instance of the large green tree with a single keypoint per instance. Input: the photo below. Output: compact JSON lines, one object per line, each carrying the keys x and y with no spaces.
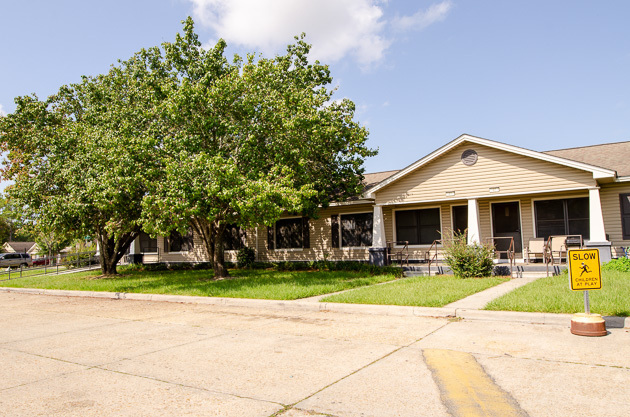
{"x":80,"y":160}
{"x":179,"y":136}
{"x":249,"y":140}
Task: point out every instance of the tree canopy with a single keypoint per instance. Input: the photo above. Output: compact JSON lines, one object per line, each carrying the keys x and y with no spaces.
{"x":180,"y":136}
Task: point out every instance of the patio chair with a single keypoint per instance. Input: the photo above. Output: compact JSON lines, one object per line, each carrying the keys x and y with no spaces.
{"x":557,"y":246}
{"x":536,"y":249}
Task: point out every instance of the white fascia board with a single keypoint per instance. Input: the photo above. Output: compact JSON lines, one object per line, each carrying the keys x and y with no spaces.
{"x":496,"y":197}
{"x":622,"y":179}
{"x":598,"y":173}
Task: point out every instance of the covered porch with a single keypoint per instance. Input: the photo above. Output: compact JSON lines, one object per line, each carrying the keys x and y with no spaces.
{"x":526,"y":229}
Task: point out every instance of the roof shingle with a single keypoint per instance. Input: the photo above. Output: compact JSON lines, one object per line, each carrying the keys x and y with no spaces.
{"x":615,"y":156}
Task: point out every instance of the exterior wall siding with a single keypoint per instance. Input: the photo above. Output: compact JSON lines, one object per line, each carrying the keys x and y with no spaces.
{"x":519,"y":178}
{"x":609,"y":195}
{"x":320,"y":231}
{"x":512,"y":173}
{"x":197,"y":254}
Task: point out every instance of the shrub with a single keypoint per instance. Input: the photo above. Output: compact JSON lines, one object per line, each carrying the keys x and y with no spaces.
{"x":170,"y":266}
{"x":468,"y":261}
{"x":619,"y":264}
{"x":339,"y":266}
{"x":245,"y":257}
{"x":80,"y":260}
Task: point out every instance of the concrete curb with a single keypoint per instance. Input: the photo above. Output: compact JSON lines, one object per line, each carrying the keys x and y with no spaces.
{"x":313,"y":306}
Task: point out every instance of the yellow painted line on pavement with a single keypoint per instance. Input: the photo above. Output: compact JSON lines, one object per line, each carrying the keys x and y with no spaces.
{"x":465,"y":388}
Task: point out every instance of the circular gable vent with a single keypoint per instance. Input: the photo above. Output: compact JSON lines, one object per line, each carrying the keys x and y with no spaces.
{"x":469,"y":157}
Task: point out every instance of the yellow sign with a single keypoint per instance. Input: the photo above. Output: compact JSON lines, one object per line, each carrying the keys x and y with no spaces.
{"x":584,"y":270}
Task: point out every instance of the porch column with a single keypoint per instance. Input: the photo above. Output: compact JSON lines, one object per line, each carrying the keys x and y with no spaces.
{"x":473,"y":222}
{"x":135,"y":252}
{"x":378,"y":251}
{"x":596,"y":226}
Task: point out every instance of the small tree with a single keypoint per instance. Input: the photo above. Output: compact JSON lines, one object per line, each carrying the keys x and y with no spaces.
{"x":468,"y":261}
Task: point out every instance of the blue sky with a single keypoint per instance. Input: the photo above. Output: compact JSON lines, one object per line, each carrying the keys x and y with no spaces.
{"x":537,"y":74}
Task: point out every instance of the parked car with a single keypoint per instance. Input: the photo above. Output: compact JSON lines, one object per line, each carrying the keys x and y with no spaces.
{"x":41,"y":261}
{"x":15,"y":259}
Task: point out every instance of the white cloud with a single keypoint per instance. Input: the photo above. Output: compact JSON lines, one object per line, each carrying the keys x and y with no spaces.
{"x":335,"y":28}
{"x":2,"y":112}
{"x":209,"y":44}
{"x":421,"y":19}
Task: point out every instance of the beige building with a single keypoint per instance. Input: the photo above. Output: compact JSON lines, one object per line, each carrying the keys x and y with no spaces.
{"x":21,"y":247}
{"x":496,"y":191}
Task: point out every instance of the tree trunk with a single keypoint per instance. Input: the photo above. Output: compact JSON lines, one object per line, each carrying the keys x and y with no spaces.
{"x":112,"y":250}
{"x":211,"y":234}
{"x":218,"y":262}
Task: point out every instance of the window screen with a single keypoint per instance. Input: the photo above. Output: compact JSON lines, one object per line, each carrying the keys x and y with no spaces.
{"x":356,"y":229}
{"x":418,"y":227}
{"x":562,"y":217}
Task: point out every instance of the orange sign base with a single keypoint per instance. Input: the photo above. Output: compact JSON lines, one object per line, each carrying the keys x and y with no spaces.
{"x":583,"y":324}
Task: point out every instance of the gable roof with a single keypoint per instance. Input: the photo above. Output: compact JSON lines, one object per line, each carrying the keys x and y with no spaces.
{"x":614,"y":156}
{"x":374,"y":178}
{"x":598,"y":172}
{"x":20,"y":247}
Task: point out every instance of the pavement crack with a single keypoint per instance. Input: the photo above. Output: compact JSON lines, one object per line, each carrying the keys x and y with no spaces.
{"x":566,"y":362}
{"x":179,"y":384}
{"x":368,"y":365}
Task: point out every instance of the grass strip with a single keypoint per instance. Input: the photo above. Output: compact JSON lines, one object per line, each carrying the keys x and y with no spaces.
{"x":434,"y":291}
{"x":259,"y":284}
{"x":554,"y":295}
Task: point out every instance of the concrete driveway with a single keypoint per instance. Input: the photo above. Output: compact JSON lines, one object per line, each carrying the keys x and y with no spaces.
{"x":69,"y":356}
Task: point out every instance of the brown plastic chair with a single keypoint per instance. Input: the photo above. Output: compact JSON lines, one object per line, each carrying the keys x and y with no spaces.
{"x":557,"y":247}
{"x":536,"y":249}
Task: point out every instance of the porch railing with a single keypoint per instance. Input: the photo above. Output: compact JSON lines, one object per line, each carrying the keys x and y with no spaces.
{"x":398,"y":251}
{"x":509,"y":252}
{"x":559,"y":244}
{"x":429,"y":257}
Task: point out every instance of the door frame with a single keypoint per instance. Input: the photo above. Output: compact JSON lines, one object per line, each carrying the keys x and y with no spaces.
{"x":452,"y":206}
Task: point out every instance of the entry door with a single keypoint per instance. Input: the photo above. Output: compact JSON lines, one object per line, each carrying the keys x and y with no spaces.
{"x":506,"y":222}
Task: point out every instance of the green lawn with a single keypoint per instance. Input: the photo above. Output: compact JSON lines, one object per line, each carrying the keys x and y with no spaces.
{"x":434,"y":291}
{"x":261,"y":284}
{"x":553,"y":295}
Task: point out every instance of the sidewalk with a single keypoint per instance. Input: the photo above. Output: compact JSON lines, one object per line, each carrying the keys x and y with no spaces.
{"x":469,"y":308}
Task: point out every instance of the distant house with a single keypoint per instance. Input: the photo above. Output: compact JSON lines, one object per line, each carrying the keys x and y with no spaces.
{"x":20,"y":247}
{"x":491,"y":189}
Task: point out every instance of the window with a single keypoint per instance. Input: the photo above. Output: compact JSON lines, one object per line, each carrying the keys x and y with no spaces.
{"x":233,"y":237}
{"x":354,"y":230}
{"x":289,"y":234}
{"x":568,"y":216}
{"x":419,"y":227}
{"x":177,"y":242}
{"x":147,"y":244}
{"x":625,"y":215}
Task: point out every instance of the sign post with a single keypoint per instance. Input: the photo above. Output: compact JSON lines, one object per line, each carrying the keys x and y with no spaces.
{"x":584,"y":275}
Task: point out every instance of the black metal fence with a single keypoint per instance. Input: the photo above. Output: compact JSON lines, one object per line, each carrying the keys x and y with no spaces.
{"x":57,"y":264}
